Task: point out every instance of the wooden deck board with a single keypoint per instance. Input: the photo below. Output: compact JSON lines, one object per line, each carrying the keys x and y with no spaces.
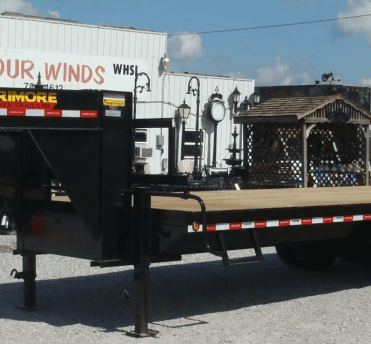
{"x":267,"y":198}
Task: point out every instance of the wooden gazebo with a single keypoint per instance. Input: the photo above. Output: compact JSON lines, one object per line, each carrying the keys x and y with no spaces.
{"x":306,"y":142}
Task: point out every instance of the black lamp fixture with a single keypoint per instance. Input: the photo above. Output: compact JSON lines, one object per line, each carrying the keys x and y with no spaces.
{"x":246,"y":104}
{"x":184,"y":111}
{"x":256,"y":97}
{"x":236,"y":98}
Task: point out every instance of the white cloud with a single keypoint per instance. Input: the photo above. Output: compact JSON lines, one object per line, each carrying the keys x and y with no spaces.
{"x":185,"y":46}
{"x":366,"y":82}
{"x":284,"y":74}
{"x":18,"y":6}
{"x":24,"y":7}
{"x":356,"y":26}
{"x":54,"y":14}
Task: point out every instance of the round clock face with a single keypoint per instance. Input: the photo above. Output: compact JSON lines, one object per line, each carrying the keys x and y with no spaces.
{"x":217,"y":111}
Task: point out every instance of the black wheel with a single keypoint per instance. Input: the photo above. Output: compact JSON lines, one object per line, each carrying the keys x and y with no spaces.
{"x":308,"y":255}
{"x":356,"y":252}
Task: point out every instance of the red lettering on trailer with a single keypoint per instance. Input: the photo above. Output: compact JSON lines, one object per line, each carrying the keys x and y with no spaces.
{"x":348,"y":218}
{"x":235,"y":226}
{"x":284,"y":223}
{"x":260,"y":224}
{"x":88,"y":114}
{"x":16,"y":113}
{"x":53,"y":113}
{"x":306,"y":221}
{"x":328,"y":219}
{"x":211,"y":228}
{"x":367,"y":217}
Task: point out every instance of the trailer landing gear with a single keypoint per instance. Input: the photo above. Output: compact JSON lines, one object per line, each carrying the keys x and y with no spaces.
{"x":29,"y":275}
{"x":142,"y":239}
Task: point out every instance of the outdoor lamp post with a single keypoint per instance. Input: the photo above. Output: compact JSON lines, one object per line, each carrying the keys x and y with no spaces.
{"x":195,"y":92}
{"x":236,"y":98}
{"x":184,"y":111}
{"x":142,"y":87}
{"x":246,"y":104}
{"x":147,"y":85}
{"x":256,"y":97}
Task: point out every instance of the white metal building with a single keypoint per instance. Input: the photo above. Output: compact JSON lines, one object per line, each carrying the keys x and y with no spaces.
{"x":72,"y":55}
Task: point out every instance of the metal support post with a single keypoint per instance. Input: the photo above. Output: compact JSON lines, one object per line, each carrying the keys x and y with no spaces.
{"x":142,"y":230}
{"x":215,"y":143}
{"x":29,"y":277}
{"x":197,"y":163}
{"x":182,"y":144}
{"x":29,"y":270}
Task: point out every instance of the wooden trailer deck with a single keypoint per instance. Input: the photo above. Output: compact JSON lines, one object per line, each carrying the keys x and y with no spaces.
{"x":268,"y":198}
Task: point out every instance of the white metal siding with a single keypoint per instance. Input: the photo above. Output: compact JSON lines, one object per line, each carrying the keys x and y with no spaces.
{"x":72,"y":38}
{"x":39,"y":35}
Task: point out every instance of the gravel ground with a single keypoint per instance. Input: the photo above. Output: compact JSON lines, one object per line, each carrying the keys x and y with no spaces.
{"x":197,"y":300}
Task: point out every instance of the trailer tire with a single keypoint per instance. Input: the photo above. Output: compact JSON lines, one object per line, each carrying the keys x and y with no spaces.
{"x":356,"y":252}
{"x":307,"y":255}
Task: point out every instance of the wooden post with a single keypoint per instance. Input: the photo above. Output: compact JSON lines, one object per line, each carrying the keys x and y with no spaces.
{"x":305,"y":156}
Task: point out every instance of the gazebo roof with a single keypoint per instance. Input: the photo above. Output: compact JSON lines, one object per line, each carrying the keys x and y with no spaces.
{"x":313,"y":109}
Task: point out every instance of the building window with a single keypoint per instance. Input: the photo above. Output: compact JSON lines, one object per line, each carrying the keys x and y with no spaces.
{"x":141,"y":137}
{"x":188,"y":144}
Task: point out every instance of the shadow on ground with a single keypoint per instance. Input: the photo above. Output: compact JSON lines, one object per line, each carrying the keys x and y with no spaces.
{"x":177,"y":291}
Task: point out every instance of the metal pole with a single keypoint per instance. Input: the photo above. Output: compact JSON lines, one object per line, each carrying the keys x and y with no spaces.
{"x":182,"y":148}
{"x":195,"y":167}
{"x":148,"y":86}
{"x":134,"y":118}
{"x":215,"y":143}
{"x":197,"y":125}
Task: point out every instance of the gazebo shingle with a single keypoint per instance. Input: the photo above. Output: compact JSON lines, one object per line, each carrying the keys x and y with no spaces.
{"x":293,"y":108}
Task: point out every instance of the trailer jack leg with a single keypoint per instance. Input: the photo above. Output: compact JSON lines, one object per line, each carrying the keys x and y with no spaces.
{"x":141,"y":282}
{"x":29,"y":276}
{"x":142,"y":235}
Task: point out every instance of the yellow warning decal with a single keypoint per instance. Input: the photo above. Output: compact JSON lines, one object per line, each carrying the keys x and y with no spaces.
{"x":113,"y":102}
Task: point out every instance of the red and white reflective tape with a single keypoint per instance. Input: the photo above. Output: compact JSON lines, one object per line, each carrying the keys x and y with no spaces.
{"x":280,"y":223}
{"x":48,"y":113}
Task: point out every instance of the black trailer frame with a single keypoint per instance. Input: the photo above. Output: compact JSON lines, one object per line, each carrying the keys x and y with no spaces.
{"x":102,"y":218}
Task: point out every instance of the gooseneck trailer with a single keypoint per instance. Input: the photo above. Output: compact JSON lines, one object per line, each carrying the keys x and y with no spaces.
{"x":79,"y":144}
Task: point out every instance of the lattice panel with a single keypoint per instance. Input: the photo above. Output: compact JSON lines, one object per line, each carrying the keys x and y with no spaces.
{"x":336,"y":155}
{"x":274,"y":155}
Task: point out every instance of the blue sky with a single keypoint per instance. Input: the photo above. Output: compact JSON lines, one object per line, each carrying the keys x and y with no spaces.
{"x":274,"y":56}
